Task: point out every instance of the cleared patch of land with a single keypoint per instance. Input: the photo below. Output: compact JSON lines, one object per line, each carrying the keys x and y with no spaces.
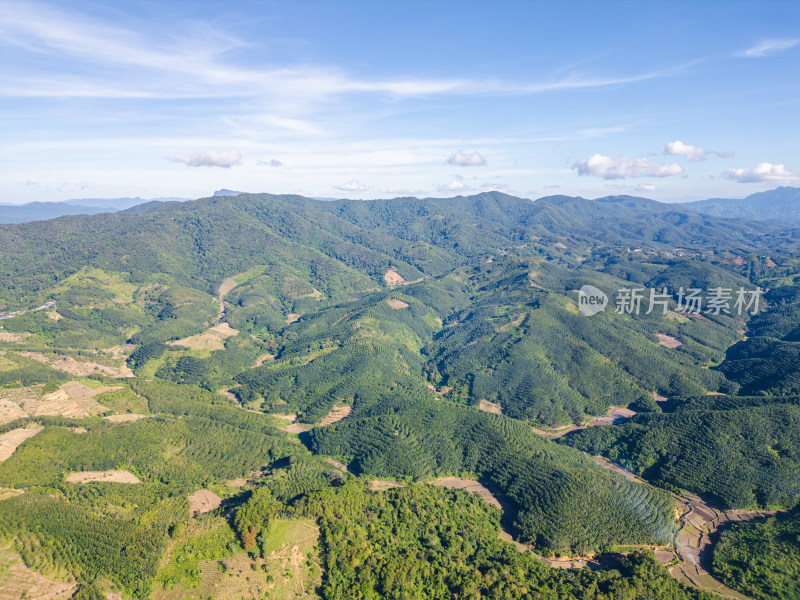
{"x":10,"y":411}
{"x":668,"y":341}
{"x":337,"y":414}
{"x":262,"y":359}
{"x":658,"y":398}
{"x":7,"y":336}
{"x":81,"y":368}
{"x":203,"y":501}
{"x":207,"y":562}
{"x":379,"y":485}
{"x":470,"y":485}
{"x":515,"y":323}
{"x":293,"y":317}
{"x":396,"y":304}
{"x":293,"y":426}
{"x":10,"y":493}
{"x":226,"y":287}
{"x":116,"y":476}
{"x":392,"y":277}
{"x":73,"y":400}
{"x":126,"y":418}
{"x":211,"y":339}
{"x":490,"y":407}
{"x":11,"y":440}
{"x":18,"y":581}
{"x":615,"y":414}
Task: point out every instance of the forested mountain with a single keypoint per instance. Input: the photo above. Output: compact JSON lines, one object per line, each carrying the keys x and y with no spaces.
{"x":781,"y":205}
{"x":448,"y":333}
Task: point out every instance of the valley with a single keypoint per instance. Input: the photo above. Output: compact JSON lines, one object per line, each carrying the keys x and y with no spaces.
{"x":295,"y":397}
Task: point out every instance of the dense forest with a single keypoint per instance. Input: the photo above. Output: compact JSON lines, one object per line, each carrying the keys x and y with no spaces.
{"x":761,"y":559}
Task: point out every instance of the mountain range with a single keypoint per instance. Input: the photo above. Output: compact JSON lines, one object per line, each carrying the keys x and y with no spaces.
{"x":781,"y":205}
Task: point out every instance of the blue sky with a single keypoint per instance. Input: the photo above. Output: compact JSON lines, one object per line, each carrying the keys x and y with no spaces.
{"x":668,"y":100}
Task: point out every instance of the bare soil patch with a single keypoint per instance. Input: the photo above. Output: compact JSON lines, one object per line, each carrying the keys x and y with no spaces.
{"x":515,"y":323}
{"x":80,"y":368}
{"x":396,"y":304}
{"x":296,"y":428}
{"x":11,"y":440}
{"x":293,"y":426}
{"x":10,"y":411}
{"x":392,"y":277}
{"x":380,"y":485}
{"x":211,"y":339}
{"x":490,"y":407}
{"x":339,"y":465}
{"x":117,"y":476}
{"x":668,"y":341}
{"x":73,"y":400}
{"x":615,"y":414}
{"x":470,"y":485}
{"x":658,"y":398}
{"x":18,"y":581}
{"x":126,"y":418}
{"x":203,"y":501}
{"x":263,"y":358}
{"x":229,"y":395}
{"x":6,"y":493}
{"x":293,"y":318}
{"x":337,"y":414}
{"x":7,"y":336}
{"x":440,"y":392}
{"x":226,"y":286}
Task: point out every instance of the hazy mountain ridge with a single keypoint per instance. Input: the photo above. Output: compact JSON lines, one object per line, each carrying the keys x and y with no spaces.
{"x":781,"y":205}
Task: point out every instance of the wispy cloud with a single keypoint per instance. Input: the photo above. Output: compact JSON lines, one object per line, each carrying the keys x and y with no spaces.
{"x":352,"y":186}
{"x":762,"y":172}
{"x":623,"y":168}
{"x":269,"y":163}
{"x":210,"y":158}
{"x":194,"y":64}
{"x":770,"y":46}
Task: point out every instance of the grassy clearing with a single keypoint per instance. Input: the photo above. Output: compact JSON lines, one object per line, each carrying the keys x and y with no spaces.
{"x":206,"y":561}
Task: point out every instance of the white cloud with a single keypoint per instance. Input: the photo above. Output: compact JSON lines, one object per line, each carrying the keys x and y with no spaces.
{"x":467,"y":159}
{"x":646,"y":187}
{"x":457,"y":185}
{"x":726,"y":154}
{"x":623,"y":168}
{"x":678,"y":148}
{"x":762,"y":172}
{"x":770,"y":46}
{"x":210,"y":158}
{"x":352,"y":186}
